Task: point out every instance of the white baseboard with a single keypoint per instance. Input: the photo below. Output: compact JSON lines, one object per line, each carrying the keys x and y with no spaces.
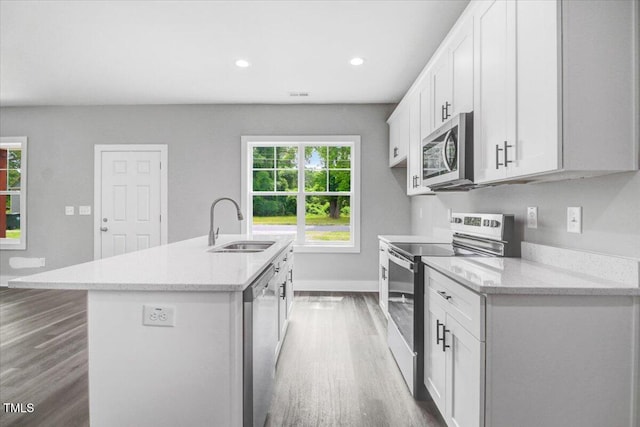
{"x":4,"y":280}
{"x":336,"y":285}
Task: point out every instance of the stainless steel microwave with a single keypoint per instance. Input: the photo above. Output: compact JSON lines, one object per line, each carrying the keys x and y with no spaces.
{"x":447,"y":155}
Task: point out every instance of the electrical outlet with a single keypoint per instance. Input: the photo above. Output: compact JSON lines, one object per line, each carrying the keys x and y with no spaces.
{"x":154,"y":315}
{"x":532,"y":217}
{"x":574,"y":219}
{"x":84,"y":210}
{"x":69,"y":210}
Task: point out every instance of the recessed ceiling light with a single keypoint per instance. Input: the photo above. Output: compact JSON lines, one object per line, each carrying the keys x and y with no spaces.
{"x":242,"y":63}
{"x":356,"y":61}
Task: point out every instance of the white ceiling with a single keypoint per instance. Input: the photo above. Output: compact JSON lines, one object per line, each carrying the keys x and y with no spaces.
{"x":183,"y":52}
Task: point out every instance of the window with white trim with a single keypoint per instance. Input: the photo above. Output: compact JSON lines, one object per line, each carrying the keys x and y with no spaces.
{"x":13,"y":193}
{"x":306,"y":187}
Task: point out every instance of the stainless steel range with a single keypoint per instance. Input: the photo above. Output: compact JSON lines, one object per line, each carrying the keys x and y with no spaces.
{"x":473,"y":235}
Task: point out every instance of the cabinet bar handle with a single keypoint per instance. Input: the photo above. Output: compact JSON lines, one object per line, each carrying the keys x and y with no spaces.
{"x":283,"y":294}
{"x":444,"y":295}
{"x":498,"y":164}
{"x":444,"y":338}
{"x":443,"y":114}
{"x":506,"y":162}
{"x":384,"y":273}
{"x":446,"y":110}
{"x":395,"y":151}
{"x":438,"y":338}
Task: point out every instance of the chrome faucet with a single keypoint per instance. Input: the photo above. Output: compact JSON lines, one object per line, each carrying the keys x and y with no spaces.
{"x":213,"y":235}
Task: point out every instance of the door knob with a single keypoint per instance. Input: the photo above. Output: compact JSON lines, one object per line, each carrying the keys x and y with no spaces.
{"x":104,"y":228}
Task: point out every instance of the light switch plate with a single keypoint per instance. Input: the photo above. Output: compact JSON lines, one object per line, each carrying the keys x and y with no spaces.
{"x":574,"y":219}
{"x":69,"y":210}
{"x":532,"y":217}
{"x":84,"y":210}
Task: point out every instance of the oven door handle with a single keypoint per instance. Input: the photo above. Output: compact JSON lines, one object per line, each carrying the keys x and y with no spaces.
{"x":401,"y":261}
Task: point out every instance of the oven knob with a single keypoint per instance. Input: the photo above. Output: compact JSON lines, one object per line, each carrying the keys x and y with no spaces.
{"x":495,"y":223}
{"x":456,"y":220}
{"x":485,"y":222}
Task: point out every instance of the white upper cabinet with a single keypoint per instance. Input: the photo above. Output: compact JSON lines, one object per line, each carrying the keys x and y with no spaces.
{"x":399,"y":135}
{"x":451,"y":75}
{"x":495,"y":96}
{"x":543,"y":86}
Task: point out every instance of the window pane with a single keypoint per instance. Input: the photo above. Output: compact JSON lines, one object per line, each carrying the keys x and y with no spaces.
{"x":274,"y":215}
{"x":10,"y":217}
{"x":286,"y":157}
{"x":339,"y":180}
{"x":339,"y":158}
{"x":13,"y":179}
{"x":328,"y":219}
{"x":315,"y":180}
{"x":315,"y":158}
{"x":263,"y":180}
{"x":287,"y":180}
{"x":263,"y":157}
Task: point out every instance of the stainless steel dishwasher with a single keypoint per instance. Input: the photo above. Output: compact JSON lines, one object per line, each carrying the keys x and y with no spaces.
{"x":260,"y":337}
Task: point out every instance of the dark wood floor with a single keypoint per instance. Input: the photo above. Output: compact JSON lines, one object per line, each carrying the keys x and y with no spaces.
{"x":334,"y":370}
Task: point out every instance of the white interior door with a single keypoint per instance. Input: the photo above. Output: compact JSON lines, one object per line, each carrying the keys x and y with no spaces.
{"x":130,"y":201}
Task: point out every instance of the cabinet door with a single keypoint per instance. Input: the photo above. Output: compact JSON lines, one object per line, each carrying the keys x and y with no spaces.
{"x":383,"y":278}
{"x":435,"y":356}
{"x":413,"y":154}
{"x":399,"y":128}
{"x":426,"y":108}
{"x":441,"y":89}
{"x":461,"y":60}
{"x":464,"y":377}
{"x":494,"y":88}
{"x":537,"y":147}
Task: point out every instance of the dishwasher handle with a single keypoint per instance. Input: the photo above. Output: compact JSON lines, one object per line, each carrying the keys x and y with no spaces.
{"x":259,"y":284}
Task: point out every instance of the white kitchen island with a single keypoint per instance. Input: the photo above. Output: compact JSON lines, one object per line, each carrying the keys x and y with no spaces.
{"x":189,"y":374}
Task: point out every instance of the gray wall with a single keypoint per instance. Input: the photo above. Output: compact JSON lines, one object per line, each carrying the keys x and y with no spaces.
{"x":610,"y":211}
{"x":204,"y":163}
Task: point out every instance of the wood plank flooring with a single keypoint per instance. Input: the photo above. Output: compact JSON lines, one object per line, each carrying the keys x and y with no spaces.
{"x":335,"y":368}
{"x":43,"y":357}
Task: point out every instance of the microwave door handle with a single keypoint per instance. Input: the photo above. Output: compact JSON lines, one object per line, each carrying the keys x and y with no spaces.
{"x":444,"y":151}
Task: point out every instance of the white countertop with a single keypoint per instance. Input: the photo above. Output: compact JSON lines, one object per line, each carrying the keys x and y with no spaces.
{"x":180,"y":266}
{"x":520,"y":276}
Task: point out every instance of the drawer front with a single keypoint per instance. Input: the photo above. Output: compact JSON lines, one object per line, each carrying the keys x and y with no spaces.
{"x":464,"y":305}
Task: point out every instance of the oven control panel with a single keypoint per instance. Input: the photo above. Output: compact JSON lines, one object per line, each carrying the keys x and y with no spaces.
{"x":490,"y":226}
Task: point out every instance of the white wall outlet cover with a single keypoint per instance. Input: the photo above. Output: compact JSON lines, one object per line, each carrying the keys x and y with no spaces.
{"x":155,"y":315}
{"x":84,"y":210}
{"x":532,"y":217}
{"x":574,"y":219}
{"x":69,"y":210}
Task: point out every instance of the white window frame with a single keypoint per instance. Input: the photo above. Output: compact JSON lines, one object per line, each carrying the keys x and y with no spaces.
{"x":248,"y":142}
{"x":18,"y":244}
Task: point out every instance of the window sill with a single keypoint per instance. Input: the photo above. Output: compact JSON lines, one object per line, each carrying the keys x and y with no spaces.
{"x":324,"y":249}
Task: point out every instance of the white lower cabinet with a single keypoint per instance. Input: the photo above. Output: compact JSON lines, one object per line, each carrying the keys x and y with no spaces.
{"x":505,"y":360}
{"x":383,"y":278}
{"x":284,"y":292}
{"x":454,"y":362}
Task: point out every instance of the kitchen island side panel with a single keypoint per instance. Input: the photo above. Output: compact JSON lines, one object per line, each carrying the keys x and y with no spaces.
{"x":189,"y":374}
{"x":567,"y":361}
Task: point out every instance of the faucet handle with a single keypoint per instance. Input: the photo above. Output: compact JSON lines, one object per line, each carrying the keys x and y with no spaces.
{"x":217,"y":232}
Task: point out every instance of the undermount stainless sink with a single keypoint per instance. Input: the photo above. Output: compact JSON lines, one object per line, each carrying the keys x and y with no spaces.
{"x":246,"y":246}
